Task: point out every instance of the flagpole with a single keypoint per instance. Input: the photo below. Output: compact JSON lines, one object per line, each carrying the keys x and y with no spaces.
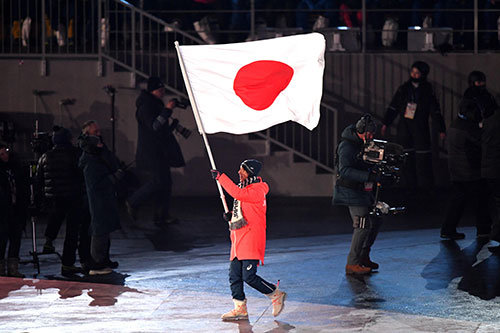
{"x":199,"y":123}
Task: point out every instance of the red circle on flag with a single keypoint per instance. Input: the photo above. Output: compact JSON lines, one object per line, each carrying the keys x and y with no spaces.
{"x":259,"y":83}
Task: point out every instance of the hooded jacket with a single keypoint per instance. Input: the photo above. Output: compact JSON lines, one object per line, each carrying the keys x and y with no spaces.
{"x":58,"y":172}
{"x":352,"y":169}
{"x":249,"y":242}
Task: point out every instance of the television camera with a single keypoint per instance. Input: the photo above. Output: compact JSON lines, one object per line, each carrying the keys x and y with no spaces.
{"x":183,"y":104}
{"x":387,"y":159}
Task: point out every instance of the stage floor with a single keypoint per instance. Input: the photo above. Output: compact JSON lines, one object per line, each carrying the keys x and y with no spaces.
{"x":423,"y":285}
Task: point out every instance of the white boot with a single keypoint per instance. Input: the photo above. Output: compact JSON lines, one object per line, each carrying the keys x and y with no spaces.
{"x":238,"y":313}
{"x":278,"y":299}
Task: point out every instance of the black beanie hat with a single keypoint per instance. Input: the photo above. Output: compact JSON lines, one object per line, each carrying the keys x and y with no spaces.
{"x":154,"y":83}
{"x":61,"y":135}
{"x":422,"y":67}
{"x":476,"y":76}
{"x":253,"y":167}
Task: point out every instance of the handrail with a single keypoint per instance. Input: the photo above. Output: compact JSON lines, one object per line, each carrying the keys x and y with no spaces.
{"x":79,"y":19}
{"x":156,"y":57}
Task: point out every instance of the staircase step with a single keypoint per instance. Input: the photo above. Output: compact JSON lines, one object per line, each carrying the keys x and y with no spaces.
{"x":322,"y":171}
{"x":298,"y":159}
{"x":275,"y":148}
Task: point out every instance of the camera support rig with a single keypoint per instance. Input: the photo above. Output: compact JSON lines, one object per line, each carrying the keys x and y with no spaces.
{"x":39,"y":145}
{"x":387,"y":158}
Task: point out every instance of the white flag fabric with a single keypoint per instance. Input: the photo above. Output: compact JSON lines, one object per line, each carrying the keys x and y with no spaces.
{"x":248,"y":87}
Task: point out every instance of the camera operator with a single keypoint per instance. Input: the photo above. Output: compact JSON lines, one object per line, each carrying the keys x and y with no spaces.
{"x":157,"y":152}
{"x":354,"y":188}
{"x":62,"y":184}
{"x":414,"y":102}
{"x":101,"y":173}
{"x":464,"y":160}
{"x":14,"y":200}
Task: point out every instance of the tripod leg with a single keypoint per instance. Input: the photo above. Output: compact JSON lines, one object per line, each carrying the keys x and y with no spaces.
{"x":36,"y":262}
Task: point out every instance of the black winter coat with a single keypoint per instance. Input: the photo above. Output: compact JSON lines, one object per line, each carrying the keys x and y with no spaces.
{"x":484,"y":101}
{"x":464,"y":151}
{"x":59,"y":174}
{"x":156,"y":149}
{"x":353,"y":169}
{"x":98,"y":167}
{"x":415,"y":132}
{"x":490,"y":143}
{"x":13,"y":169}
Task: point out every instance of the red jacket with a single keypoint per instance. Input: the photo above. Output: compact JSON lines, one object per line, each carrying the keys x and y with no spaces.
{"x":249,"y":242}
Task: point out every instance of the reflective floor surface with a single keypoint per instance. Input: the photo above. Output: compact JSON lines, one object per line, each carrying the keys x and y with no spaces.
{"x":424,"y":285}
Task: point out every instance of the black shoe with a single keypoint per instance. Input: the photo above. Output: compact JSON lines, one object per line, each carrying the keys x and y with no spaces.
{"x":71,"y":270}
{"x":86,"y":267}
{"x":368,"y":263}
{"x":453,"y":235}
{"x":100,"y":269}
{"x":112,"y":264}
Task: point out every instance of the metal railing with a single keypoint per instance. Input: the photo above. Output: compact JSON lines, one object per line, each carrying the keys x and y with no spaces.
{"x":54,"y":28}
{"x":48,"y":28}
{"x":143,"y":44}
{"x":468,"y":26}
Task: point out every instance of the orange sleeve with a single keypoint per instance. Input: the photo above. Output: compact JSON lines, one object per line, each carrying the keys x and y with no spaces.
{"x":247,"y":194}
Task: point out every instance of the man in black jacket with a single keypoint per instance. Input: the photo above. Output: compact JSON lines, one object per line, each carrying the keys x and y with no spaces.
{"x":157,"y":151}
{"x":464,"y":163}
{"x":62,"y":184}
{"x":414,"y":102}
{"x":13,"y":206}
{"x":101,"y":173}
{"x":354,"y":188}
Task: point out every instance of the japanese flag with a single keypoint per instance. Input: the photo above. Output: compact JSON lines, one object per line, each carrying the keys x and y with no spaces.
{"x":248,"y":87}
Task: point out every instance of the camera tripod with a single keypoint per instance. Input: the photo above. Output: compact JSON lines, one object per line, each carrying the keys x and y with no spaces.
{"x":33,"y":211}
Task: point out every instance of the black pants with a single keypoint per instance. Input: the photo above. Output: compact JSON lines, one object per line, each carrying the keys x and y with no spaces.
{"x":475,"y":194}
{"x":12,"y":221}
{"x":71,"y":210}
{"x":246,"y":271}
{"x":158,"y":188}
{"x":363,"y":236}
{"x":417,"y":171}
